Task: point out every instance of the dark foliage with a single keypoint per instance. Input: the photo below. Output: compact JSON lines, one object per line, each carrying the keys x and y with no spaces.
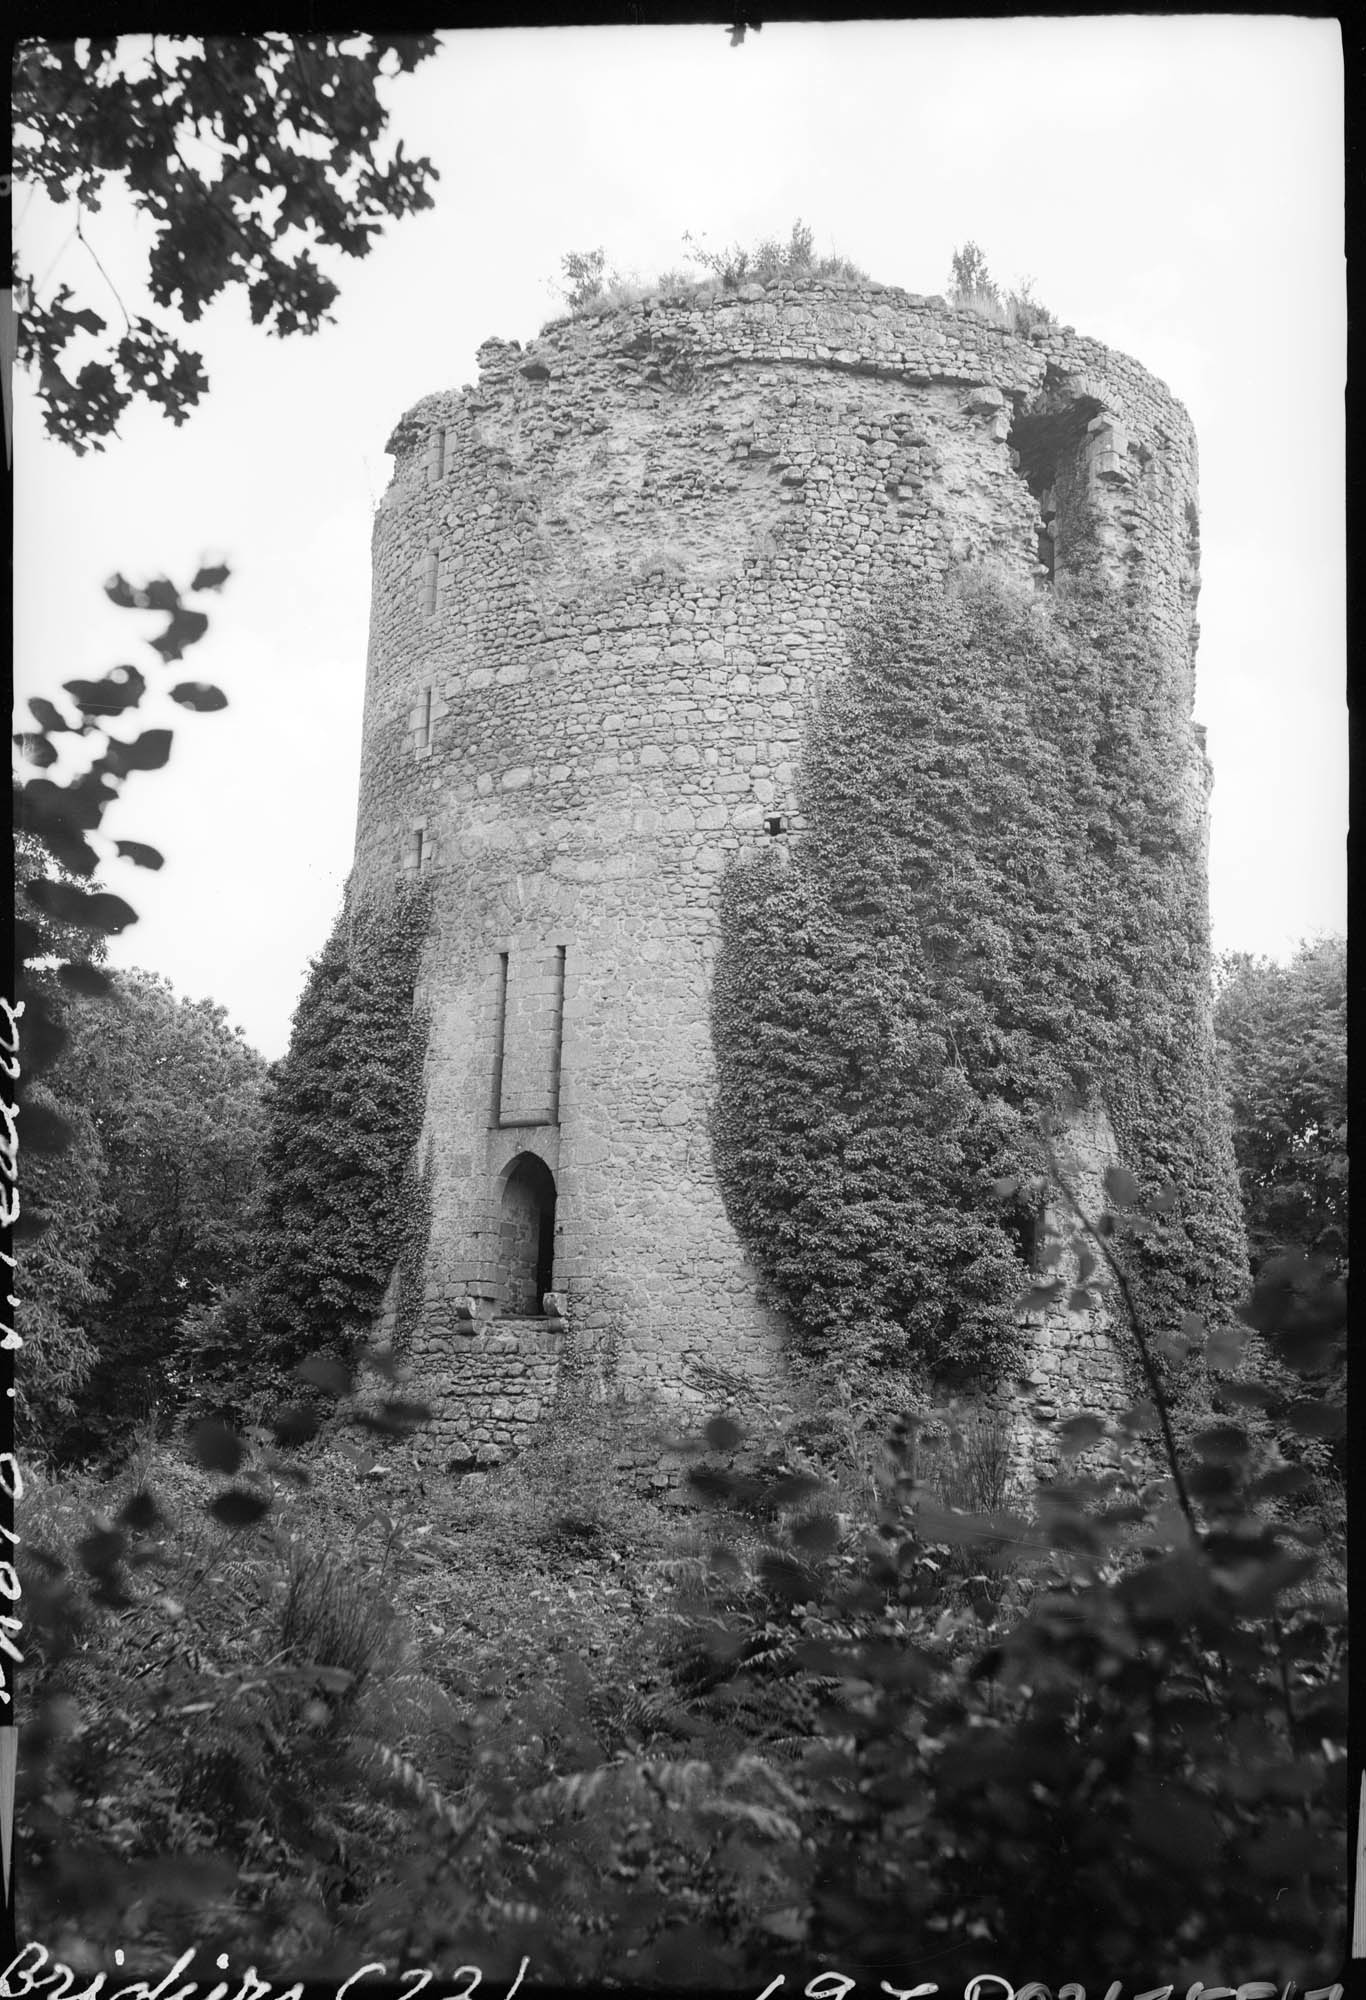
{"x":991,"y":909}
{"x":60,"y":932}
{"x":60,"y":926}
{"x":245,"y":155}
{"x":340,"y":1191}
{"x":938,"y":1739}
{"x":174,"y":1097}
{"x":1283,"y":1045}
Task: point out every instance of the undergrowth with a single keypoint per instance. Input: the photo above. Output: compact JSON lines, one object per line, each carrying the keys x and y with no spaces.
{"x":818,"y":1698}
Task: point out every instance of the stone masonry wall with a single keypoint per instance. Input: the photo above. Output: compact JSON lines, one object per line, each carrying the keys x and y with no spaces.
{"x":607,"y":581}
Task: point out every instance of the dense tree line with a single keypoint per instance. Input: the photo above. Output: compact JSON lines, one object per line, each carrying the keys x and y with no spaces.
{"x":1283,"y":1042}
{"x":148,"y":1209}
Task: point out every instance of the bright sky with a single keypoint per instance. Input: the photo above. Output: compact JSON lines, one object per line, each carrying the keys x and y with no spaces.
{"x":1174,"y":187}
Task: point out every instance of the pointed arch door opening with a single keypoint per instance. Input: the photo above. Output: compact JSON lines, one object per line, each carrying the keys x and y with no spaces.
{"x":526,"y":1238}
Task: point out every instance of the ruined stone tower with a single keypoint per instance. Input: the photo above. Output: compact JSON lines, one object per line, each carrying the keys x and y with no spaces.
{"x":606,"y":582}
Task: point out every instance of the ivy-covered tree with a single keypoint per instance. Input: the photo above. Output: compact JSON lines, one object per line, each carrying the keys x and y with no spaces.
{"x":340,"y":1195}
{"x":1283,"y":1043}
{"x":245,"y":154}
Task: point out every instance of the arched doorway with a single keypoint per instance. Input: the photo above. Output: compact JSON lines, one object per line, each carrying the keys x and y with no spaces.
{"x":526,"y":1237}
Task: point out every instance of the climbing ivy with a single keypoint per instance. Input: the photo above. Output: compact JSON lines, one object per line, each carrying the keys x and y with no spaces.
{"x":995,"y":912}
{"x":341,"y":1190}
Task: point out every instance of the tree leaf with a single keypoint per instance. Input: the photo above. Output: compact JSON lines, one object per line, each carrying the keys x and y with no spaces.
{"x":101,"y":1550}
{"x":185,"y":629}
{"x":1121,"y":1186}
{"x":817,"y":1537}
{"x":295,"y":1423}
{"x":91,"y":980}
{"x":37,"y":749}
{"x":1077,"y":1433}
{"x":1280,"y":1482}
{"x":1225,"y":1347}
{"x":238,"y":1508}
{"x":722,"y":1433}
{"x":139,"y":853}
{"x":329,"y":1376}
{"x":1039,"y":1298}
{"x":1317,"y":1417}
{"x":216,"y":1448}
{"x":114,"y":692}
{"x":394,"y":1418}
{"x":1222,"y":1444}
{"x":792,"y":1487}
{"x":147,"y":752}
{"x":84,"y":909}
{"x":140,"y":1512}
{"x":48,"y":717}
{"x":199,"y":695}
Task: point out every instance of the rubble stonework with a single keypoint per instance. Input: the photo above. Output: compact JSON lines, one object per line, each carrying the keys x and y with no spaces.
{"x":607,"y":581}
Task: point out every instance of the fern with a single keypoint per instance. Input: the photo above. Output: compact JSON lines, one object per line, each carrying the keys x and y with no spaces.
{"x":405,"y":1775}
{"x":765,"y":1820}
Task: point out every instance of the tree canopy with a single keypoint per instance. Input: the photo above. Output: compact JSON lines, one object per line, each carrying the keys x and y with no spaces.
{"x":1283,"y":1042}
{"x":245,"y":154}
{"x":148,"y":1208}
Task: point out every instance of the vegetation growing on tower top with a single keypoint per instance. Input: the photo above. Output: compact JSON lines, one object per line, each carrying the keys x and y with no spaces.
{"x":588,"y":284}
{"x":973,"y":289}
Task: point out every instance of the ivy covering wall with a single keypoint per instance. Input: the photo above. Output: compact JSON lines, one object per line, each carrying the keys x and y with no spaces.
{"x":341,"y":1190}
{"x":997,"y":908}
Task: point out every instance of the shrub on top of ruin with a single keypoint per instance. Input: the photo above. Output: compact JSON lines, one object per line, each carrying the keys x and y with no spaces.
{"x":772,"y":259}
{"x":677,"y":283}
{"x":973,"y":289}
{"x":589,"y":284}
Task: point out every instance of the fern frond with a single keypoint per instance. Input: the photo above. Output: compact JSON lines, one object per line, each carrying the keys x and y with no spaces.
{"x":765,"y":1820}
{"x":750,"y":1768}
{"x":401,"y":1771}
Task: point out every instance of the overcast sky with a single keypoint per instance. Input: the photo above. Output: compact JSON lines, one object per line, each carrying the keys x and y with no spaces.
{"x":1173,"y":186}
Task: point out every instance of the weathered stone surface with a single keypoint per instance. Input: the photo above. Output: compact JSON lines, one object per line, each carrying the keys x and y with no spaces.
{"x":606,"y":585}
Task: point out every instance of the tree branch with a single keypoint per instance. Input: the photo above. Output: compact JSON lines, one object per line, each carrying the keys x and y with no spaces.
{"x":1150,"y":1370}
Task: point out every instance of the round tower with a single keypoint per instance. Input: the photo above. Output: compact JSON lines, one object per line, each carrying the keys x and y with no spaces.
{"x":607,"y":582}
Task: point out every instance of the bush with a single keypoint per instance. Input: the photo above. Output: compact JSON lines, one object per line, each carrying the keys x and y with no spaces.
{"x":590,"y":285}
{"x":1146,"y":1767}
{"x":771,"y":260}
{"x":973,"y":289}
